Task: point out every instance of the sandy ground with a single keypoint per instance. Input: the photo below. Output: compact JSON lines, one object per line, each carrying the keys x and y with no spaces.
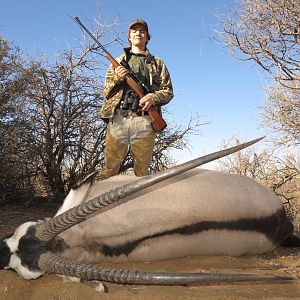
{"x":282,"y":261}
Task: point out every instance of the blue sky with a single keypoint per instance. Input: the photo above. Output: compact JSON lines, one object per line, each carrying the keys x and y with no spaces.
{"x":207,"y":80}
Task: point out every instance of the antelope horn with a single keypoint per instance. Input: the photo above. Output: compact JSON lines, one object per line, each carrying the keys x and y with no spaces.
{"x":50,"y":262}
{"x":49,"y":229}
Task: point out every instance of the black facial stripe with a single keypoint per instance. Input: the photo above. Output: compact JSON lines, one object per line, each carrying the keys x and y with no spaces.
{"x":275,"y":228}
{"x":31,"y":248}
{"x":4,"y":255}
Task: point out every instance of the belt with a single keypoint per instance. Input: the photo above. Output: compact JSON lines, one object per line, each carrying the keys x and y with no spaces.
{"x":126,"y":113}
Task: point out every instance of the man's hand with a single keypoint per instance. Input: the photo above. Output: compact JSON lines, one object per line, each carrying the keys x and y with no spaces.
{"x":121,"y":72}
{"x":146,"y":102}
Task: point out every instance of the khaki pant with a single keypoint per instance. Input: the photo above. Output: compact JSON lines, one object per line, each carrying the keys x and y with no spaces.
{"x":122,"y":132}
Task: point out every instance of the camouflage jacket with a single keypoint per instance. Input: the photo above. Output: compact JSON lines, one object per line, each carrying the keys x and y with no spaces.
{"x":160,"y":82}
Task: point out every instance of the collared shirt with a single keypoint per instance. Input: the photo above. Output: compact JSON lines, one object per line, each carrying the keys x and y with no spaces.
{"x":159,"y":81}
{"x":137,"y":64}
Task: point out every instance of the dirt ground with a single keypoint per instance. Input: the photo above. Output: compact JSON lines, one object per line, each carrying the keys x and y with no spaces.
{"x":282,"y":261}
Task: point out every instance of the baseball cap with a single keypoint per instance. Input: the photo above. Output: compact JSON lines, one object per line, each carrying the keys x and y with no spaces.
{"x":140,"y":22}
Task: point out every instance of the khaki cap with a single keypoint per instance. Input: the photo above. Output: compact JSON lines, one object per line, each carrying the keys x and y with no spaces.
{"x":140,"y":22}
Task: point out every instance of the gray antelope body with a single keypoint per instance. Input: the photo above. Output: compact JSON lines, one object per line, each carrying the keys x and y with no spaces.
{"x":177,"y":212}
{"x":199,"y":212}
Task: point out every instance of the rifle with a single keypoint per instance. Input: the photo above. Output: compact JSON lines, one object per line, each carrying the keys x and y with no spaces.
{"x":156,"y":120}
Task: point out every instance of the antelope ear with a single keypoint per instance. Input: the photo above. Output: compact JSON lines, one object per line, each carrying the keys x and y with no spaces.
{"x":88,"y":179}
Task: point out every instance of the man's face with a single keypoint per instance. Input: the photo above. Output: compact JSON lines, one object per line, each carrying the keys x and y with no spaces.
{"x":138,"y":36}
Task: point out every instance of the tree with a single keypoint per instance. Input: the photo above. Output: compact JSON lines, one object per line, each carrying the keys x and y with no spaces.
{"x":59,"y":108}
{"x":267,"y":32}
{"x":16,"y":172}
{"x":281,"y":115}
{"x":61,"y":103}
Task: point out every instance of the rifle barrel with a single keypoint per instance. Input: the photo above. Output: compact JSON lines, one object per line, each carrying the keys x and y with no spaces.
{"x":77,"y":20}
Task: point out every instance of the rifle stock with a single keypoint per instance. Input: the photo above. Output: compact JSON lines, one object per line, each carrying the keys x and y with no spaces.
{"x":157,"y":121}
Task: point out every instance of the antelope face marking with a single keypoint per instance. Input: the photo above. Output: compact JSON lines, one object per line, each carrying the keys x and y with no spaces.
{"x":12,"y":258}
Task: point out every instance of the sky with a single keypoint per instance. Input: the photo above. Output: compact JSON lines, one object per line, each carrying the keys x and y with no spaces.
{"x":227,"y":93}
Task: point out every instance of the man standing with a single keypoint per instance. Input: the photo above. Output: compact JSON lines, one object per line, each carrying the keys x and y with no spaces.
{"x":127,"y":115}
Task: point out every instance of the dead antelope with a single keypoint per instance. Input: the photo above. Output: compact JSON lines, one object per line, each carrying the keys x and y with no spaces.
{"x":178,"y":212}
